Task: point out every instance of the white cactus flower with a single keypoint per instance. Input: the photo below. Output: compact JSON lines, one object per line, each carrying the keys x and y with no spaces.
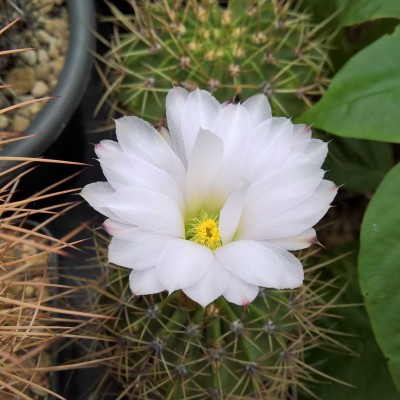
{"x":215,"y":206}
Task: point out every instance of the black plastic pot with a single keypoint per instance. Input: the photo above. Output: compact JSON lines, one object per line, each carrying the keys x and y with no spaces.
{"x":52,"y":119}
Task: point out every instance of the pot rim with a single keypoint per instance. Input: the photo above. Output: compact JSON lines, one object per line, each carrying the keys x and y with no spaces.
{"x":52,"y":119}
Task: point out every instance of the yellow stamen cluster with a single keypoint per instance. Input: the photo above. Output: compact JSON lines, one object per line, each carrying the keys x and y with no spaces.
{"x":204,"y":230}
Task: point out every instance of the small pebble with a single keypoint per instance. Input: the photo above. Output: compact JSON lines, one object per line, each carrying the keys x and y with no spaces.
{"x":30,"y":57}
{"x":24,"y":111}
{"x":23,"y":79}
{"x":58,"y":65}
{"x":53,"y":82}
{"x":36,"y":107}
{"x":35,"y":73}
{"x":43,"y":57}
{"x":42,"y":71}
{"x":44,"y":37}
{"x":40,"y":89}
{"x":20,"y":123}
{"x":45,"y":6}
{"x":54,"y":52}
{"x":57,"y":27}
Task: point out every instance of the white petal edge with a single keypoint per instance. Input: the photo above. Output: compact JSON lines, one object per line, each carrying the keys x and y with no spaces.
{"x":298,"y":242}
{"x":270,"y":145}
{"x":259,"y":109}
{"x":296,"y":220}
{"x":145,"y":282}
{"x":240,"y":292}
{"x":137,"y":249}
{"x":122,"y":170}
{"x":138,"y":138}
{"x":212,"y":285}
{"x":175,"y":102}
{"x":148,"y":210}
{"x":182,"y":264}
{"x":200,"y":111}
{"x":261,"y":264}
{"x":98,"y":195}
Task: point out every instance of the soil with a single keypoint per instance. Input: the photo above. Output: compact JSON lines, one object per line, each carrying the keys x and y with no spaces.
{"x":34,"y":73}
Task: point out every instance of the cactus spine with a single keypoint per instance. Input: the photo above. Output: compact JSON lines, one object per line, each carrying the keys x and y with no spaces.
{"x":246,"y":48}
{"x":159,"y":347}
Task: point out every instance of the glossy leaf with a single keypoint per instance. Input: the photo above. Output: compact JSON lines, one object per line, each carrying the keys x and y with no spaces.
{"x":357,"y":11}
{"x":379,"y":267}
{"x":352,"y":12}
{"x":363,"y":99}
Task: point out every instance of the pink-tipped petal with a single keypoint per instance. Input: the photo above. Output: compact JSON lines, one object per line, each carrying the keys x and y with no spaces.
{"x":145,"y":282}
{"x":239,"y":291}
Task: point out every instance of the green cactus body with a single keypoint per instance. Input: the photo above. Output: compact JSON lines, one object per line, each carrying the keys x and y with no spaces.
{"x":168,"y":347}
{"x":234,"y":52}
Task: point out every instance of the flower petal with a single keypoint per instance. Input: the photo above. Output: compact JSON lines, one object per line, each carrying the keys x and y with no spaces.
{"x":138,"y":138}
{"x":298,"y":242}
{"x":199,"y":111}
{"x":182,"y":264}
{"x":230,"y":214}
{"x":137,"y":248}
{"x":270,"y":145}
{"x":232,"y":125}
{"x":307,"y":154}
{"x":204,"y":163}
{"x":293,"y":221}
{"x":122,"y":170}
{"x":176,"y":99}
{"x":261,"y":264}
{"x":258,"y":108}
{"x":274,"y":195}
{"x":210,"y":286}
{"x":239,"y":291}
{"x":98,"y":195}
{"x":114,"y":228}
{"x":148,"y":210}
{"x":145,"y":282}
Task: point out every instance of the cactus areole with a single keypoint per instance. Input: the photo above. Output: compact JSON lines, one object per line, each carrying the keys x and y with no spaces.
{"x":214,"y":205}
{"x":237,"y":51}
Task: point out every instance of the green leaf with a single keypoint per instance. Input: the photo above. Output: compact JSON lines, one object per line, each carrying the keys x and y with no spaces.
{"x":358,"y":164}
{"x":379,"y":268}
{"x":366,"y":370}
{"x":357,"y":11}
{"x":352,"y":12}
{"x":363,"y":99}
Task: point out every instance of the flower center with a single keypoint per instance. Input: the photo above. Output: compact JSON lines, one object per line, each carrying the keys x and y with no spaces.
{"x":203,"y":229}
